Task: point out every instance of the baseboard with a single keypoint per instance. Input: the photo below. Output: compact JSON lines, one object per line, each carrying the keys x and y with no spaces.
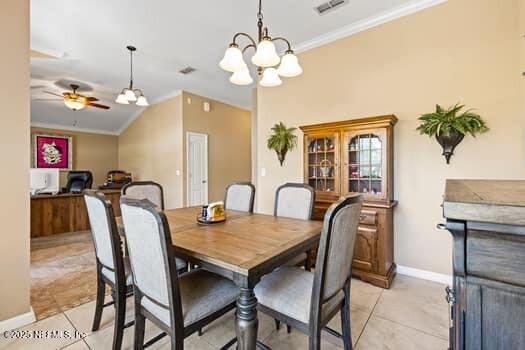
{"x":425,"y":275}
{"x":17,"y":321}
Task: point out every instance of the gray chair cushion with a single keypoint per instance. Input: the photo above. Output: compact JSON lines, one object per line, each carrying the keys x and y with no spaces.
{"x":202,"y":293}
{"x":288,"y":290}
{"x":299,"y":259}
{"x":111,"y":275}
{"x":180,"y":264}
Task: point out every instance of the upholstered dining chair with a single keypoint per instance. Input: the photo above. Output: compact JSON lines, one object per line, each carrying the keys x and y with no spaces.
{"x":296,"y":201}
{"x":240,"y":196}
{"x":149,"y":190}
{"x":178,"y":304}
{"x":306,"y":300}
{"x":112,"y":268}
{"x":153,"y":192}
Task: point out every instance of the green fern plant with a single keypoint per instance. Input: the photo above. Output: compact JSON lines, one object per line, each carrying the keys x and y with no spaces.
{"x":282,"y":140}
{"x":445,"y":120}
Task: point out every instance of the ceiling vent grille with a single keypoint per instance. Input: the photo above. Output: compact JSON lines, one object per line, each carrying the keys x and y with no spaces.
{"x":329,"y":6}
{"x":187,"y":70}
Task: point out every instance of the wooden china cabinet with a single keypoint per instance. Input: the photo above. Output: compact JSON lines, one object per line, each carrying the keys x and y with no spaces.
{"x":357,"y":156}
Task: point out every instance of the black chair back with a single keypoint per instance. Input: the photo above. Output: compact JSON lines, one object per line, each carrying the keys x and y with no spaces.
{"x":78,"y":181}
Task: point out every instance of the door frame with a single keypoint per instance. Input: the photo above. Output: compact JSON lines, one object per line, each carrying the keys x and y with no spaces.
{"x":205,"y":170}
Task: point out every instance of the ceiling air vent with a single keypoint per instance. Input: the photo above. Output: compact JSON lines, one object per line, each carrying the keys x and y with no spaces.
{"x":187,"y":70}
{"x":330,"y":6}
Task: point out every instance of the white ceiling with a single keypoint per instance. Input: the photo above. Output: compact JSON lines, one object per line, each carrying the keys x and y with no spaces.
{"x":89,"y":40}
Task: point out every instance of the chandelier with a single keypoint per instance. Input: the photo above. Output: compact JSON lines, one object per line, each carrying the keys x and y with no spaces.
{"x":129,"y":94}
{"x":265,"y":58}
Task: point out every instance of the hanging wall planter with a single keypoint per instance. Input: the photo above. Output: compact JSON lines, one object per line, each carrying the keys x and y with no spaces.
{"x":449,"y":126}
{"x":282,"y":140}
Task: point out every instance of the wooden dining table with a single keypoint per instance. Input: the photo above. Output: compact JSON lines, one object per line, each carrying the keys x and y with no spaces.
{"x":243,"y":249}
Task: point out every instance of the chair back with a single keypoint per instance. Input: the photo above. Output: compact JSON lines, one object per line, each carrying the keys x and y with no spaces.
{"x":240,"y":196}
{"x":294,"y":200}
{"x":105,"y":234}
{"x":336,"y":249}
{"x":149,"y":190}
{"x":151,"y":253}
{"x":78,"y":181}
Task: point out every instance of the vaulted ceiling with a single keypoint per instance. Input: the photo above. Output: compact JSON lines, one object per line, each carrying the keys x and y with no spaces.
{"x":87,"y":44}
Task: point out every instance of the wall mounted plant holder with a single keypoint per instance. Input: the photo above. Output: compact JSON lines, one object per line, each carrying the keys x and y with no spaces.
{"x":450,"y":125}
{"x":282,"y":140}
{"x":449,"y":141}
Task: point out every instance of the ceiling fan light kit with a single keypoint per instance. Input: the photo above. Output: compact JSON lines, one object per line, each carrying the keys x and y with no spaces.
{"x":129,"y":94}
{"x":75,"y":101}
{"x":265,"y":58}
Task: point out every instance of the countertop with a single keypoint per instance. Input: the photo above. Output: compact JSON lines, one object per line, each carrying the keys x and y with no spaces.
{"x":493,"y":201}
{"x":64,"y":195}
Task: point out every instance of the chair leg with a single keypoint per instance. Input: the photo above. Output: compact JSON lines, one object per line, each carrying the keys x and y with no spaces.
{"x":288,"y":329}
{"x":99,"y":306}
{"x":120,"y":318}
{"x":308,"y":263}
{"x":314,"y":341}
{"x":199,"y":332}
{"x":277,"y":324}
{"x":345,"y":320}
{"x":140,"y":328}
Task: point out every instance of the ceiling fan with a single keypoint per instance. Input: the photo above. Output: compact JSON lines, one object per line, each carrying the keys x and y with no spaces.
{"x":75,"y":101}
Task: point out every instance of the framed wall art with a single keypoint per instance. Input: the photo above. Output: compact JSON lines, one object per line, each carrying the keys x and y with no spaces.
{"x":52,"y":151}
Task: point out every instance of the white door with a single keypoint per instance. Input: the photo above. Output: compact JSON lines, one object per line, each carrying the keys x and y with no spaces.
{"x":197,"y":161}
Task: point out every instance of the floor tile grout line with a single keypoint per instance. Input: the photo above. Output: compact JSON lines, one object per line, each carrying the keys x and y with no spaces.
{"x":411,"y":327}
{"x":369,"y":316}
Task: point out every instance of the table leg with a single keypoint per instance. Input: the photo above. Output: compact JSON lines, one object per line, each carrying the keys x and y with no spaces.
{"x":246,"y":322}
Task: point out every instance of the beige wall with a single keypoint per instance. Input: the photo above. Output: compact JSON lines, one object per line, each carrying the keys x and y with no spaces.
{"x":229,"y":147}
{"x":151,"y":148}
{"x":461,"y":51}
{"x":14,"y":207}
{"x":95,"y":152}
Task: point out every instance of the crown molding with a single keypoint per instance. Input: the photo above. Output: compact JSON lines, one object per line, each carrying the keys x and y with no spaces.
{"x":370,"y":22}
{"x":167,"y":96}
{"x":73,"y":128}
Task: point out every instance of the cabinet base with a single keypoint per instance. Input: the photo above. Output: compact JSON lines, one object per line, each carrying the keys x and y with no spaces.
{"x":375,"y":279}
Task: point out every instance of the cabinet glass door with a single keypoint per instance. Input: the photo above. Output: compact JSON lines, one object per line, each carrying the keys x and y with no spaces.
{"x":364,"y":167}
{"x":322,"y":155}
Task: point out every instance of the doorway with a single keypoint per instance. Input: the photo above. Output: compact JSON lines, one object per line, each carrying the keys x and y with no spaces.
{"x":197,"y":168}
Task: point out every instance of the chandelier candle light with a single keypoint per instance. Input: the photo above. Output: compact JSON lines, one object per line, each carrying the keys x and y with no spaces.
{"x":129,"y":94}
{"x":265,"y":58}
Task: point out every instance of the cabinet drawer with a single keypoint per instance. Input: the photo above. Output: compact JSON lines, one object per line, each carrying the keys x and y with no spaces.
{"x":365,"y":249}
{"x":368,"y":217}
{"x":496,"y":256}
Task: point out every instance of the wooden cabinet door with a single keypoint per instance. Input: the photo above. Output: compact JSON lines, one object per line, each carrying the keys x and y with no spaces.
{"x":364,"y":168}
{"x":322,"y":163}
{"x":365,"y":249}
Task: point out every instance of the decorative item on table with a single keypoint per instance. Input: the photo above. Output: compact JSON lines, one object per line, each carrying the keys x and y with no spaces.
{"x":212,"y":213}
{"x":325,"y":168}
{"x":449,"y":126}
{"x":282,"y":140}
{"x":52,"y":151}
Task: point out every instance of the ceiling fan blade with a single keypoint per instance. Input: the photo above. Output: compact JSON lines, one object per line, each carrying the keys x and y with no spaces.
{"x":52,"y":93}
{"x":49,"y":99}
{"x":98,"y":105}
{"x":92,"y":99}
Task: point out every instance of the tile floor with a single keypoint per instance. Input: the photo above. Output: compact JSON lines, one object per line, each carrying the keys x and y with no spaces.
{"x":412,"y":314}
{"x":63,"y":273}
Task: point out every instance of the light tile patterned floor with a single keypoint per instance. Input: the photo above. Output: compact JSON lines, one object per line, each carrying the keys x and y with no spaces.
{"x":412,"y":314}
